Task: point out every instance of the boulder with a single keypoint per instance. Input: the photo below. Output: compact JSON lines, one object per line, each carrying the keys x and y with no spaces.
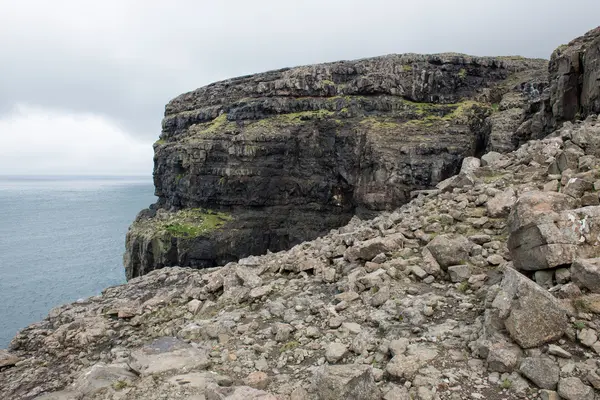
{"x":576,"y":187}
{"x":500,"y":205}
{"x":574,"y":389}
{"x":369,"y":249}
{"x":469,"y":165}
{"x":459,"y":273}
{"x":7,"y":359}
{"x":457,"y":181}
{"x":349,"y":382}
{"x":335,"y":352}
{"x":101,"y":376}
{"x":535,"y":240}
{"x":586,"y":273}
{"x":542,"y":371}
{"x":531,"y":315}
{"x":494,"y":160}
{"x":450,"y":249}
{"x":168,"y":354}
{"x":503,"y":357}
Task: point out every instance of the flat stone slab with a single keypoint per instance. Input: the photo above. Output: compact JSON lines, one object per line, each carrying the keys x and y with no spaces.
{"x":168,"y":354}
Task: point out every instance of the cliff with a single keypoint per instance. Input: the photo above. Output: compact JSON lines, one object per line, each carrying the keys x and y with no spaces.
{"x":266,"y":161}
{"x":486,"y":287}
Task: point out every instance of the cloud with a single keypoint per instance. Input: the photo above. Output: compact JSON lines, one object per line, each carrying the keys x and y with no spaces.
{"x":39,"y":141}
{"x":125,"y":59}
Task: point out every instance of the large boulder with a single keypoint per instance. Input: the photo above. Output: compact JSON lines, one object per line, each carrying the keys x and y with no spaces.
{"x":531,"y":315}
{"x":542,"y":371}
{"x":168,"y":354}
{"x":450,"y":249}
{"x":500,"y":205}
{"x":535,"y":240}
{"x":574,"y":389}
{"x":586,"y":273}
{"x":349,"y":382}
{"x":368,"y":249}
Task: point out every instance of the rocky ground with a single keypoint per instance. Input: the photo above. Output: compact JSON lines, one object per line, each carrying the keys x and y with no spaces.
{"x":484,"y":288}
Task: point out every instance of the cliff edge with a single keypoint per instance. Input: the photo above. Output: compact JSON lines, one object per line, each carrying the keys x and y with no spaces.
{"x":263,"y":162}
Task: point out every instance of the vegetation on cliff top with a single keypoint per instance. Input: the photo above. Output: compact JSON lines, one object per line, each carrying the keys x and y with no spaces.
{"x":187,"y":223}
{"x":351,"y":108}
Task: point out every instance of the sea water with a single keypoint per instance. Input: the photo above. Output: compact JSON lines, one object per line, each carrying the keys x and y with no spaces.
{"x":62,"y":239}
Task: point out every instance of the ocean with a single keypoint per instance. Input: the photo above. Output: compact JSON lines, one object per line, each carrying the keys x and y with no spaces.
{"x":62,"y":239}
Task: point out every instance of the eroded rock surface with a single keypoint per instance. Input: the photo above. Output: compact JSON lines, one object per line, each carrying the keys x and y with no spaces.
{"x":286,"y":155}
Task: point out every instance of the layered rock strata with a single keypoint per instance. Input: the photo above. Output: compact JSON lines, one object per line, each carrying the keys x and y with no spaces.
{"x":286,"y":155}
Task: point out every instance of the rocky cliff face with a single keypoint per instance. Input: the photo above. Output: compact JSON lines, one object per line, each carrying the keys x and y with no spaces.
{"x":575,"y":76}
{"x":281,"y":157}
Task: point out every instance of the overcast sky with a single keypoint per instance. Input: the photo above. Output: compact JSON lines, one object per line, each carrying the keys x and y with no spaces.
{"x":83,"y":83}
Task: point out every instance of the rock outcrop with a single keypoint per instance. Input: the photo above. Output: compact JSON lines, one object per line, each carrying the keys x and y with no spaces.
{"x":287,"y":155}
{"x":575,"y":73}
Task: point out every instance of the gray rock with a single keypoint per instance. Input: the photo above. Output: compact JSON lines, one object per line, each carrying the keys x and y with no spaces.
{"x":542,"y":371}
{"x":587,"y":337}
{"x":469,"y":165}
{"x":585,"y":273}
{"x":404,"y":367}
{"x":563,"y":275}
{"x":544,"y":278}
{"x":594,"y":379}
{"x":101,"y":376}
{"x":450,"y":249}
{"x":335,"y":352}
{"x":574,"y":389}
{"x":248,"y":276}
{"x":549,"y":395}
{"x":576,"y":187}
{"x":398,"y":346}
{"x":500,"y":205}
{"x":168,"y":354}
{"x":530,"y":314}
{"x":535,"y":241}
{"x":382,"y":295}
{"x":351,"y":382}
{"x":418,"y":272}
{"x":494,"y":160}
{"x":503,"y":357}
{"x":457,"y":181}
{"x":7,"y":359}
{"x":397,"y":393}
{"x":459,"y":273}
{"x":558,"y":351}
{"x":371,"y":248}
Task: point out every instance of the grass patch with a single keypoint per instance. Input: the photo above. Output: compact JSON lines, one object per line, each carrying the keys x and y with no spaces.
{"x":120,"y":385}
{"x":506,"y":383}
{"x":407,"y":68}
{"x":188,"y":223}
{"x":160,"y":141}
{"x":579,"y":325}
{"x":462,"y":74}
{"x":463,"y":287}
{"x":289,"y":346}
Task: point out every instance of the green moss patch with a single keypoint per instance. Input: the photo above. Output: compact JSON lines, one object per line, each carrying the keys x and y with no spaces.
{"x":187,"y":223}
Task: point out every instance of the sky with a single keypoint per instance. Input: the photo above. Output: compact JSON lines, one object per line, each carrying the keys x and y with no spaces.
{"x":83,"y":84}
